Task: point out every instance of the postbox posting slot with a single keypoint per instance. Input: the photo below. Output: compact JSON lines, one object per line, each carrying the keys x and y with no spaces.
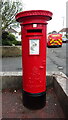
{"x":34,"y":31}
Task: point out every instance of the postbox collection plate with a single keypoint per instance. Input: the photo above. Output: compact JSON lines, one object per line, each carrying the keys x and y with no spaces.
{"x":34,"y":47}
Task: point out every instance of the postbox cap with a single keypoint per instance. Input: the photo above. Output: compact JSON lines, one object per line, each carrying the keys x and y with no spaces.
{"x":42,"y":13}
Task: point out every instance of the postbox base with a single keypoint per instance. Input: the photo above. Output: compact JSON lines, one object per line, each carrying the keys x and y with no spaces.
{"x":34,"y":101}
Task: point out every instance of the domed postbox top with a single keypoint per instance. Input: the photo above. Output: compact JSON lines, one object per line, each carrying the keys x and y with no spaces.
{"x":47,"y":15}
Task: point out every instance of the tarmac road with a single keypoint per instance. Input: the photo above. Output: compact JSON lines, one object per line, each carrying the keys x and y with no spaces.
{"x":56,"y":60}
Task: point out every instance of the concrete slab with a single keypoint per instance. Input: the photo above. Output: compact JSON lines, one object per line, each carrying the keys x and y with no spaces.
{"x":61,"y":90}
{"x":14,"y":80}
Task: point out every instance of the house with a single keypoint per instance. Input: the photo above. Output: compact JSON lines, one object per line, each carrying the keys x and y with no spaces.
{"x":64,"y":31}
{"x":16,"y":33}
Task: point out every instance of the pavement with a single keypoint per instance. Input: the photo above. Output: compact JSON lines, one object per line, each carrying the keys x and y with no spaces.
{"x":56,"y":61}
{"x":13,"y":107}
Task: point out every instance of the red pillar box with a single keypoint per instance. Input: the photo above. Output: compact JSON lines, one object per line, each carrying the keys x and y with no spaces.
{"x":33,"y":31}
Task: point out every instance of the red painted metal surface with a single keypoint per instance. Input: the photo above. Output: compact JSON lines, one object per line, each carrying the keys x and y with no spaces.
{"x":33,"y":31}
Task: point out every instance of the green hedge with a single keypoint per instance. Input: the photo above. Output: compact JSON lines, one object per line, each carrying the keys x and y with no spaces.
{"x":9,"y":39}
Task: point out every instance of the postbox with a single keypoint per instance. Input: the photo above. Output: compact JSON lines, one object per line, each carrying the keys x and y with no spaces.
{"x":34,"y":37}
